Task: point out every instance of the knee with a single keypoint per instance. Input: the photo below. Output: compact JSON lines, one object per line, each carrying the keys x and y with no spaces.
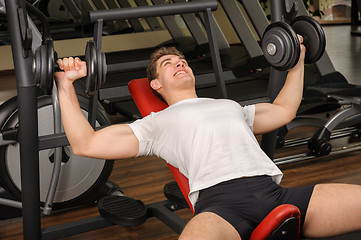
{"x":196,"y":232}
{"x":192,"y":236}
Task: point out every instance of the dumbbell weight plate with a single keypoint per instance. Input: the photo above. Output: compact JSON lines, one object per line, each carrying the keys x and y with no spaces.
{"x":281,"y":46}
{"x":49,"y":66}
{"x":44,"y":66}
{"x":105,"y":68}
{"x":36,"y":64}
{"x":91,"y":62}
{"x":314,"y":37}
{"x":100,"y":69}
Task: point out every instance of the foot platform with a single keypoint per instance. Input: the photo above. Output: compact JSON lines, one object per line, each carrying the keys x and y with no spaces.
{"x":122,"y":210}
{"x":174,"y":194}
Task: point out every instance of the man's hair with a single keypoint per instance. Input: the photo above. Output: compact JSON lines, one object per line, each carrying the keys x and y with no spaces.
{"x":152,"y":66}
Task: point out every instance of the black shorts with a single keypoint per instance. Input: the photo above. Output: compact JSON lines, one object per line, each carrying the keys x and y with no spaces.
{"x":245,"y":202}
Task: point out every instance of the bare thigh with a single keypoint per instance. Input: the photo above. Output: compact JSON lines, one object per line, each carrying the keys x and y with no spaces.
{"x":209,"y":226}
{"x":334,"y":209}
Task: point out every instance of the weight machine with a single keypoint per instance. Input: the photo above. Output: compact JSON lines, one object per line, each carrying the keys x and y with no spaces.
{"x":30,"y":143}
{"x":66,"y":189}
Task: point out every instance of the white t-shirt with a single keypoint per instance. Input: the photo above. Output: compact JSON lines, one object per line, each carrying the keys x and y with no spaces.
{"x":208,"y":140}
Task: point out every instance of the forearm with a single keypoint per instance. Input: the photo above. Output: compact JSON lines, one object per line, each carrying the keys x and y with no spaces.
{"x":76,"y":126}
{"x":290,"y":95}
{"x":270,"y":116}
{"x":84,"y":140}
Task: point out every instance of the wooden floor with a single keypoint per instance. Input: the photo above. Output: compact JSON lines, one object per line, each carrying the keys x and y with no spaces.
{"x":144,"y":178}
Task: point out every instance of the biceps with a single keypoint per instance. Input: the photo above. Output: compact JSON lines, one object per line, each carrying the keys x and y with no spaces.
{"x":115,"y":142}
{"x":269,"y":117}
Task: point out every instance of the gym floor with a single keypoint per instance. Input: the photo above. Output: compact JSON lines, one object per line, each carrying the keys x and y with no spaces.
{"x":143,"y":178}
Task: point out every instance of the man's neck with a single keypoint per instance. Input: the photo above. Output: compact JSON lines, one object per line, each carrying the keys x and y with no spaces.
{"x":179,"y":97}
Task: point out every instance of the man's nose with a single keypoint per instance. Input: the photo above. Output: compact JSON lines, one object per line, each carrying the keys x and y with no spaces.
{"x":180,"y":64}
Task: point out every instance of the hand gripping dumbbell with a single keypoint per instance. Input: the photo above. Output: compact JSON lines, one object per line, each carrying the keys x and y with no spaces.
{"x":45,"y":65}
{"x":281,"y":46}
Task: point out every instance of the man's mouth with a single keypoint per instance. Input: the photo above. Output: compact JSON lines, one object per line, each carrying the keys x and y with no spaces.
{"x":180,"y":72}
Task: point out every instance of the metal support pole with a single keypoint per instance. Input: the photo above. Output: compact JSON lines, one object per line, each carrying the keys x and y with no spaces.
{"x":21,"y":40}
{"x":276,"y":81}
{"x":216,"y":58}
{"x":58,"y":154}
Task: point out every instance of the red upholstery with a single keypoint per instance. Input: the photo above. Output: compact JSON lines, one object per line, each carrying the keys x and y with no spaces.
{"x":275,"y":218}
{"x":147,"y":102}
{"x":144,"y":97}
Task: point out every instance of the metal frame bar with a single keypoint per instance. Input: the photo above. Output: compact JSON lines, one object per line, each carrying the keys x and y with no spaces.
{"x":216,"y":58}
{"x":201,"y":80}
{"x":256,"y":15}
{"x":339,"y":117}
{"x":170,"y":23}
{"x":221,"y":38}
{"x":194,"y":26}
{"x":153,"y":22}
{"x":324,"y":64}
{"x":28,"y":119}
{"x":241,"y":27}
{"x":160,"y":210}
{"x":135,"y":23}
{"x":122,"y":24}
{"x":152,"y":11}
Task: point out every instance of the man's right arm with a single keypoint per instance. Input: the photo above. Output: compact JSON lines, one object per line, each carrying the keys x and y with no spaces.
{"x":113,"y":142}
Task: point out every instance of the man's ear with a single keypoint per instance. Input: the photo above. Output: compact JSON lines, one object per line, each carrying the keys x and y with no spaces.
{"x":155,"y":84}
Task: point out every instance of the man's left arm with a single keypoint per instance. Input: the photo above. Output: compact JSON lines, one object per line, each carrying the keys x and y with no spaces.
{"x":270,"y":116}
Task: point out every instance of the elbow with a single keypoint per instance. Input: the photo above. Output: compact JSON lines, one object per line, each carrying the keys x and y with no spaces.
{"x":80,"y":151}
{"x":76,"y":150}
{"x":81,"y":147}
{"x":290,"y":117}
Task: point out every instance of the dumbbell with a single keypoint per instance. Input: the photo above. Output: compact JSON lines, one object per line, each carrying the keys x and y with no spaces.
{"x":45,"y":65}
{"x":281,"y":46}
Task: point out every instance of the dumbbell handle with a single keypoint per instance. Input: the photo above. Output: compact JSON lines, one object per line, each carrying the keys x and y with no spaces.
{"x":57,"y":68}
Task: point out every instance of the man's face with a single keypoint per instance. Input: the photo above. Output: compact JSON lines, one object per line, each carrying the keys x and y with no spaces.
{"x":174,"y":72}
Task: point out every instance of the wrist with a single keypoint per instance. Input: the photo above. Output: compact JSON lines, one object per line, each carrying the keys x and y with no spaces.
{"x":65,"y":85}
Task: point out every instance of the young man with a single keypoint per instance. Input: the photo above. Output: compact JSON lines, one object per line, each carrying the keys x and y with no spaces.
{"x":233,"y":184}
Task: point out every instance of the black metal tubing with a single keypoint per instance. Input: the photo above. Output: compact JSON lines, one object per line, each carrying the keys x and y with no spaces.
{"x":53,"y":141}
{"x":44,"y":22}
{"x":75,"y":227}
{"x":152,"y":11}
{"x":216,"y":59}
{"x":171,"y":9}
{"x":277,"y":10}
{"x":28,"y":119}
{"x":159,"y":210}
{"x":276,"y":81}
